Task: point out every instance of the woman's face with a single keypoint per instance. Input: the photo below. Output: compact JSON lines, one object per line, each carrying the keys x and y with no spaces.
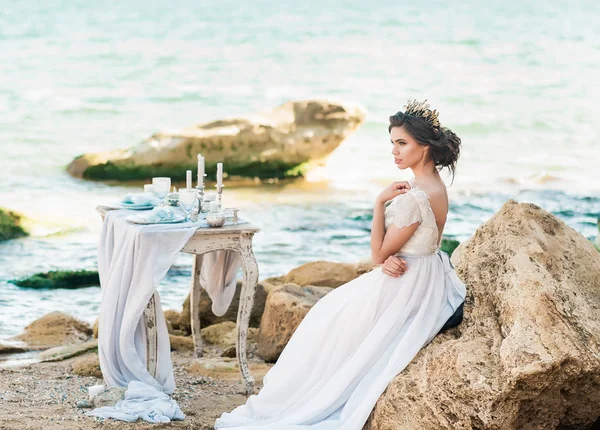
{"x":406,"y":151}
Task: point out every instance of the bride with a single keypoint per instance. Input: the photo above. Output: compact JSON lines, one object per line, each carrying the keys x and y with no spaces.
{"x":354,"y":341}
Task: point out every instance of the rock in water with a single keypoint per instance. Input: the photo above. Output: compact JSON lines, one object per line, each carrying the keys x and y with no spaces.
{"x":286,"y":307}
{"x":272,"y":144}
{"x":527,"y":355}
{"x":449,"y":245}
{"x":69,"y":279}
{"x":11,"y":225}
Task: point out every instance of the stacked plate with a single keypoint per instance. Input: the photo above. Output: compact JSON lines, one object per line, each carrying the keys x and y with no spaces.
{"x":132,"y":206}
{"x":145,"y":219}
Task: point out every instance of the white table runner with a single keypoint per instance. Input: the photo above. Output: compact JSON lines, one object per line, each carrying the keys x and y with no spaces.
{"x":132,"y":260}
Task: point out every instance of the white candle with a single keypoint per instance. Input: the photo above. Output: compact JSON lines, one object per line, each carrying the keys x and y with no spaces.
{"x":188,"y":179}
{"x":200,"y":169}
{"x":219,"y":173}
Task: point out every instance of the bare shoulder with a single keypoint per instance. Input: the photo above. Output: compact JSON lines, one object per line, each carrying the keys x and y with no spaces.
{"x":438,"y":198}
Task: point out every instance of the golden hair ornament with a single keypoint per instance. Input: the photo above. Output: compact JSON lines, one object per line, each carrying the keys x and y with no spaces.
{"x":422,"y":110}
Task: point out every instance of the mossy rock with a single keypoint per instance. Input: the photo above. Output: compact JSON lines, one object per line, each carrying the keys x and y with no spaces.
{"x":10,"y":225}
{"x":59,"y":279}
{"x":127,"y":171}
{"x":449,"y":245}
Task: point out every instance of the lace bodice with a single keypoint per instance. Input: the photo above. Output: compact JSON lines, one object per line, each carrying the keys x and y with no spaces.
{"x":407,"y":209}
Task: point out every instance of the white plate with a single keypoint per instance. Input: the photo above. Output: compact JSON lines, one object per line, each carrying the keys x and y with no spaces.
{"x":131,"y":206}
{"x":136,"y":219}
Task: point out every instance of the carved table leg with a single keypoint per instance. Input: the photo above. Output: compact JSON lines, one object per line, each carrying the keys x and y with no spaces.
{"x":195,"y":305}
{"x":245,"y":308}
{"x":151,"y":335}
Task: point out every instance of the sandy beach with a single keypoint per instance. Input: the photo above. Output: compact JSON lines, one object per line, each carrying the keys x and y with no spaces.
{"x":45,"y":395}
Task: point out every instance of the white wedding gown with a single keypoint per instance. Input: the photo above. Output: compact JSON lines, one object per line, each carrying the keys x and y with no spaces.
{"x":354,"y":341}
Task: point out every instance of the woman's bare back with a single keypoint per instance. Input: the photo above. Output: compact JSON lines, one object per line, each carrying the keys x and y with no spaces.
{"x":438,"y":200}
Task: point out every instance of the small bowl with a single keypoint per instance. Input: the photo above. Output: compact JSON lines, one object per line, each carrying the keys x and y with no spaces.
{"x":215,"y":219}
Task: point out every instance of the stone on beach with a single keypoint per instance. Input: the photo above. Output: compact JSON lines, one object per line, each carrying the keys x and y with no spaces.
{"x":181,"y":343}
{"x":224,"y":334}
{"x":173,"y":320}
{"x":271,"y":144}
{"x":108,"y":397}
{"x":527,"y":354}
{"x":95,"y":329}
{"x":286,"y":306}
{"x":226,"y":369}
{"x":87,"y":365}
{"x":54,"y":329}
{"x":63,"y":352}
{"x":208,"y":318}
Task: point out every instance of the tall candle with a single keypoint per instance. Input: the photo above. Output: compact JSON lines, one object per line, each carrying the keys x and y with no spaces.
{"x":219,"y":173}
{"x":200,"y":169}
{"x":188,"y":179}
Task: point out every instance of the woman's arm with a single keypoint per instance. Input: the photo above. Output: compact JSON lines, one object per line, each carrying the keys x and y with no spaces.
{"x":385,"y":244}
{"x":377,"y":231}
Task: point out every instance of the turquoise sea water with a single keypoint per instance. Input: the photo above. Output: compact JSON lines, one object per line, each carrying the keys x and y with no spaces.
{"x":516,"y":81}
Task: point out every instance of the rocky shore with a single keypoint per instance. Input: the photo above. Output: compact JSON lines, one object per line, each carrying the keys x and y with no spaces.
{"x":527,"y":354}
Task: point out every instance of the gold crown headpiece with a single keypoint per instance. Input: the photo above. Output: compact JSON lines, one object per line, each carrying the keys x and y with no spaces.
{"x":422,"y":110}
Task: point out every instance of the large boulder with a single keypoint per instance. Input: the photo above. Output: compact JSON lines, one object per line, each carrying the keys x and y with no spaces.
{"x":224,"y":334}
{"x":527,"y":355}
{"x":207,"y":317}
{"x":271,"y":144}
{"x":286,"y":307}
{"x":54,"y":329}
{"x":322,"y":274}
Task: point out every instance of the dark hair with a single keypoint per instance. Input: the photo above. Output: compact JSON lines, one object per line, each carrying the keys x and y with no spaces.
{"x":444,"y":143}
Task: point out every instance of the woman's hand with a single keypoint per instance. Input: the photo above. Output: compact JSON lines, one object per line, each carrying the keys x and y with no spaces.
{"x":397,"y":188}
{"x":394,"y":266}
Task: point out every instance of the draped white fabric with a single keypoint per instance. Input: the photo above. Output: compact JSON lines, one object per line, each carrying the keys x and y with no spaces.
{"x":142,"y":402}
{"x":357,"y":338}
{"x":218,"y":278}
{"x":132,"y":260}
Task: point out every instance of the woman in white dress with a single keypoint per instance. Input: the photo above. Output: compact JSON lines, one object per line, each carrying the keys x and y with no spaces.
{"x":354,"y":341}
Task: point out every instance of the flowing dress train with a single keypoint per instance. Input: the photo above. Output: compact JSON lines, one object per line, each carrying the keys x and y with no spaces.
{"x":358,"y":337}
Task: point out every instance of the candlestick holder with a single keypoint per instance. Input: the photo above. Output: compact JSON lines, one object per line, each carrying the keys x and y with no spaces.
{"x":220,"y":195}
{"x":200,"y":189}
